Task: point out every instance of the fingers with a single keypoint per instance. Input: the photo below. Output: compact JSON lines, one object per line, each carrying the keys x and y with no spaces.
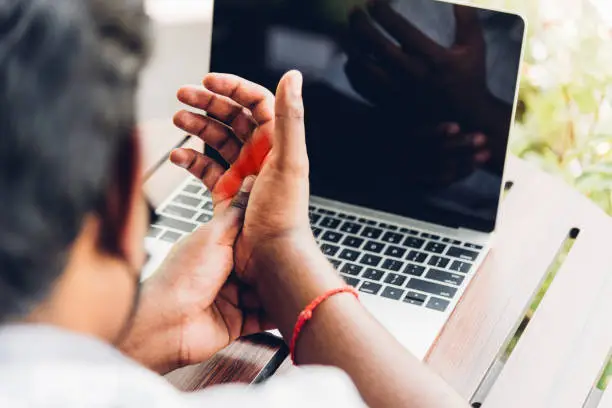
{"x":375,"y":42}
{"x":222,"y":108}
{"x":472,"y":145}
{"x":199,"y":165}
{"x":218,"y":136}
{"x":255,"y":98}
{"x":410,"y":37}
{"x":290,"y":134}
{"x":469,"y":30}
{"x":229,"y":223}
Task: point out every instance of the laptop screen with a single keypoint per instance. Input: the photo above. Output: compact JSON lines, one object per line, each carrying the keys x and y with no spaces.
{"x":408,"y":103}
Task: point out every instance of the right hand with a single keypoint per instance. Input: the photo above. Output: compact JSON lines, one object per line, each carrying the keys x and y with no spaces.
{"x":277,"y":213}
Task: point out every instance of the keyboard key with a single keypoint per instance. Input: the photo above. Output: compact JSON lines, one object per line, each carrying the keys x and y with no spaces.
{"x":353,"y":242}
{"x":437,"y":304}
{"x":343,"y":216}
{"x":370,"y":260}
{"x":331,"y":236}
{"x":350,"y":227}
{"x":374,"y":247}
{"x":328,"y":212}
{"x":176,"y":224}
{"x":349,"y":255}
{"x":352,"y":269}
{"x":208,"y":206}
{"x":412,"y":242}
{"x":351,"y":281}
{"x":329,"y":250}
{"x":393,"y":238}
{"x":414,"y":270}
{"x":409,"y":231}
{"x":351,"y":218}
{"x":430,"y":236}
{"x":336,"y":263}
{"x":204,"y":218}
{"x":193,"y":189}
{"x":415,"y":298}
{"x":433,"y":288}
{"x":392,"y":228}
{"x":179,"y":212}
{"x":330,"y":223}
{"x":314,"y":218}
{"x":373,"y":274}
{"x":416,"y":256}
{"x":396,"y":252}
{"x":363,"y":220}
{"x":393,"y":265}
{"x":370,"y":287}
{"x":207,"y":194}
{"x":445,"y":277}
{"x":439,"y":261}
{"x":171,"y":237}
{"x":154,"y":232}
{"x":316,"y":231}
{"x":460,"y":266}
{"x":473,"y":246}
{"x":451,"y":241}
{"x":373,"y":233}
{"x":392,"y":293}
{"x":188,"y":201}
{"x":435,"y":247}
{"x":462,"y":253}
{"x":312,"y":208}
{"x":395,"y":279}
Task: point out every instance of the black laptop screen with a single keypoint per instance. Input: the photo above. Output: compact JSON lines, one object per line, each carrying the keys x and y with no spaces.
{"x":408,"y":103}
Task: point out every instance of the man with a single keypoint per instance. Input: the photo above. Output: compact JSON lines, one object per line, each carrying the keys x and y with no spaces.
{"x":73,"y":221}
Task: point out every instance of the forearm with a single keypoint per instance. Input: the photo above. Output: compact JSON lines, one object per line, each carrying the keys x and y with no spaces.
{"x":343,"y":334}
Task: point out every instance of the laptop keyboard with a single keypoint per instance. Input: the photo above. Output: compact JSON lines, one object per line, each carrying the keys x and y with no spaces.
{"x":382,"y":259}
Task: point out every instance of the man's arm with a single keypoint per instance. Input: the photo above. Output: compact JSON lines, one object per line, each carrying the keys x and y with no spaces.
{"x":342,"y":333}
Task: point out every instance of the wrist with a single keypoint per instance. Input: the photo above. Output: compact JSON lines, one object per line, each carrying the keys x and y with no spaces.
{"x":153,"y":336}
{"x":289,"y":275}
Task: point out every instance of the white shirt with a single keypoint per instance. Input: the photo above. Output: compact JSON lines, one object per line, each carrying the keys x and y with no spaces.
{"x":43,"y":366}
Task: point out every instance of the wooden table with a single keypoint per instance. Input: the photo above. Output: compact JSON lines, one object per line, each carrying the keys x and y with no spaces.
{"x":566,"y":344}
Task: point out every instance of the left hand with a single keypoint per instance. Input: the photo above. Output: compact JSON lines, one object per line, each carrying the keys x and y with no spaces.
{"x":192,"y":308}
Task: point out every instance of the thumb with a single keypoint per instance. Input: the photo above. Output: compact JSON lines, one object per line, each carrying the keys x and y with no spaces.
{"x":229,"y":223}
{"x":290,"y":133}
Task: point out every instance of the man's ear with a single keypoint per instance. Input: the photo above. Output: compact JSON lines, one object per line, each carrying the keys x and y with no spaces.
{"x":125,"y":219}
{"x":136,"y":221}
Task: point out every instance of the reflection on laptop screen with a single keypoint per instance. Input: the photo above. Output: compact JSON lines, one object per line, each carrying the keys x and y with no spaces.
{"x":408,"y":103}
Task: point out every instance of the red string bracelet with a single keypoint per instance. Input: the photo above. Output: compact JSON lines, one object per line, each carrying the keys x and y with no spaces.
{"x":306,"y":314}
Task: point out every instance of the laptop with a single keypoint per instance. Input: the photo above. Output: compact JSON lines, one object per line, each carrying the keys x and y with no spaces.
{"x":405,"y":194}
